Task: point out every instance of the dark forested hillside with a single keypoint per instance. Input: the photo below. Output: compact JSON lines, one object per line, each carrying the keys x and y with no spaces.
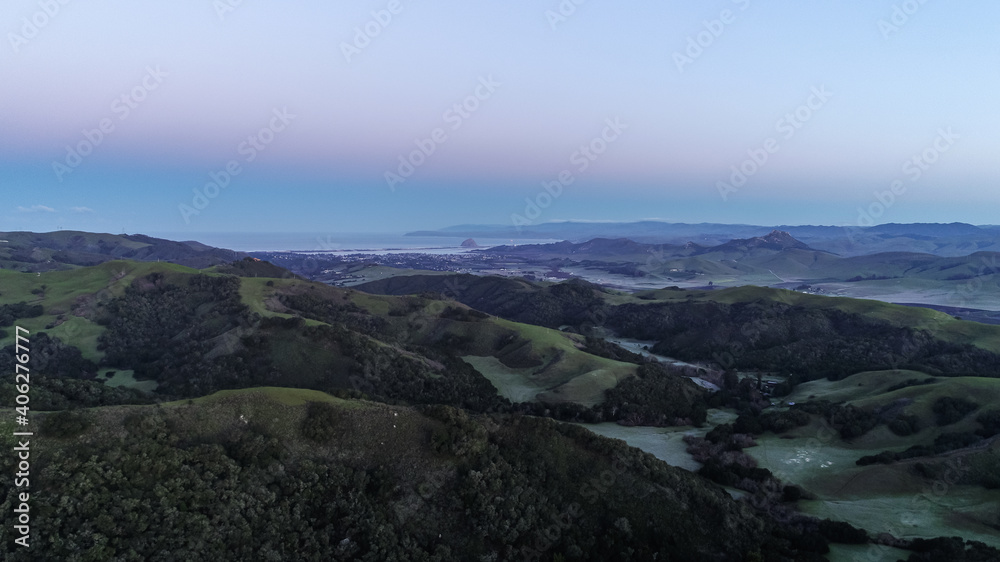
{"x":809,"y":343}
{"x":254,"y":476}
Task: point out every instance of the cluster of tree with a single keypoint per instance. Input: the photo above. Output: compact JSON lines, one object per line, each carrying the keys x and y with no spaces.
{"x":64,"y":424}
{"x":951,"y":549}
{"x":49,"y":393}
{"x":911,"y":382}
{"x":723,"y":461}
{"x":321,"y":423}
{"x":990,"y":422}
{"x":10,"y":313}
{"x":165,"y":332}
{"x":82,"y":259}
{"x":53,"y":358}
{"x":155,"y":317}
{"x":575,"y":302}
{"x":656,"y":396}
{"x":754,"y":422}
{"x":463,"y":314}
{"x":603,"y":348}
{"x":978,"y":469}
{"x":740,"y":394}
{"x":942,"y":444}
{"x":848,"y":420}
{"x":317,"y":306}
{"x":812,"y":343}
{"x":511,"y":487}
{"x":949,"y":410}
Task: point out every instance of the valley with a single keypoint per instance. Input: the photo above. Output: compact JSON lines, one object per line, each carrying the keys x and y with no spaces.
{"x":815,"y":426}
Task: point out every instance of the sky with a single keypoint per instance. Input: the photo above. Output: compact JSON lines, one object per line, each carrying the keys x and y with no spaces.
{"x":392,"y":115}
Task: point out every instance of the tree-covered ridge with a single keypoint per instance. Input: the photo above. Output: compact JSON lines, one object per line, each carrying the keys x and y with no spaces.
{"x":810,"y":343}
{"x":197,"y":336}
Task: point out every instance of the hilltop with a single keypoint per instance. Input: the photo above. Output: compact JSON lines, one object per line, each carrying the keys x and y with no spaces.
{"x":65,"y":249}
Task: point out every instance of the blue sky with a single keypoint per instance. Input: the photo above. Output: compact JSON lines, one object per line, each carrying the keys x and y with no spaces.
{"x":647,"y":109}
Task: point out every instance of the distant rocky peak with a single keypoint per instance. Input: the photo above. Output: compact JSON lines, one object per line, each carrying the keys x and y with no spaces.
{"x":775,"y":240}
{"x":779,"y":236}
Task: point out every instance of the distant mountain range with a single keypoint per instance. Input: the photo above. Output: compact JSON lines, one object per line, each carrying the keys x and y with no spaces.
{"x":776,"y":259}
{"x":954,"y":239}
{"x":775,"y":241}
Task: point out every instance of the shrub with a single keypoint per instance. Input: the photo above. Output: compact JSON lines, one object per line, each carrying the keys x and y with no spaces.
{"x":64,"y":424}
{"x":321,"y":421}
{"x":950,"y":410}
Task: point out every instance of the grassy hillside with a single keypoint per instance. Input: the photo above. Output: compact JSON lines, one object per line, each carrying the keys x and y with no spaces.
{"x":68,"y":249}
{"x":519,"y":300}
{"x":68,"y":298}
{"x":895,"y":452}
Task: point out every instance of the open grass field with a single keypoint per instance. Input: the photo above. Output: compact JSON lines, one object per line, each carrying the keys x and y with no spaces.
{"x":564,"y":373}
{"x":889,"y":498}
{"x":513,"y":384}
{"x":964,"y":511}
{"x":854,"y":387}
{"x":664,"y":443}
{"x":125,"y":378}
{"x":359,"y":275}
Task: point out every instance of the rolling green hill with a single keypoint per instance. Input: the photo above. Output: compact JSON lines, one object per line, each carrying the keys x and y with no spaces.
{"x":188,"y":333}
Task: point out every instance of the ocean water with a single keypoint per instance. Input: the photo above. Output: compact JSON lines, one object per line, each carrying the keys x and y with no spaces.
{"x":342,"y":243}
